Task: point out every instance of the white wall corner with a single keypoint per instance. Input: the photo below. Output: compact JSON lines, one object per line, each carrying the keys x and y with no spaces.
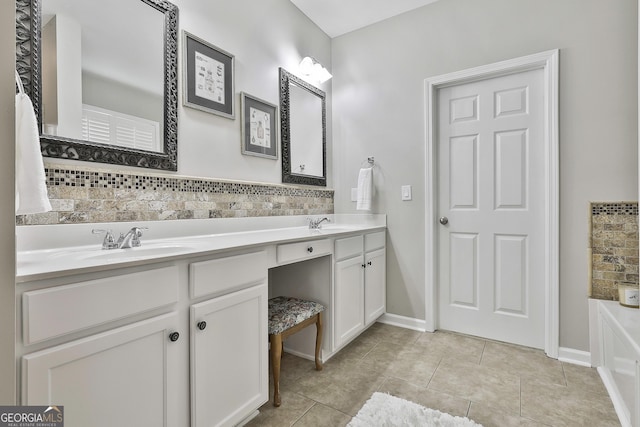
{"x":403,"y":322}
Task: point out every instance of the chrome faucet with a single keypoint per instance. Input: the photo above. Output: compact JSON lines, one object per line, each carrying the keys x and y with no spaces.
{"x":109,"y":242}
{"x":131,"y":239}
{"x":316,"y":224}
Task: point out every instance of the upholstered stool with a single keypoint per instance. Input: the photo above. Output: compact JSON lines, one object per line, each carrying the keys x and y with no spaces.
{"x":286,"y":317}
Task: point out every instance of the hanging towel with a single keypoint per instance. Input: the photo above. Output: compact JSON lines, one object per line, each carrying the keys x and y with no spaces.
{"x":365,"y":189}
{"x":31,"y":189}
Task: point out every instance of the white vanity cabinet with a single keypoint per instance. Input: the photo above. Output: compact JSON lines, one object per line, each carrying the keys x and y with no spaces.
{"x":126,"y":376}
{"x":229,"y":348}
{"x":359,"y":284}
{"x":121,"y":376}
{"x":181,"y":339}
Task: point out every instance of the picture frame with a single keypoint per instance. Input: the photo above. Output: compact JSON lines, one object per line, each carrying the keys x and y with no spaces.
{"x":259,"y":127}
{"x":208,"y":75}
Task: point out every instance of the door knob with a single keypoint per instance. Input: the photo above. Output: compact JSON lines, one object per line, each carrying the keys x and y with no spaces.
{"x":444,"y":220}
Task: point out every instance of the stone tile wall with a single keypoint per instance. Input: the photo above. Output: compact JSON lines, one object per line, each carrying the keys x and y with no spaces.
{"x":614,"y":248}
{"x":88,"y":195}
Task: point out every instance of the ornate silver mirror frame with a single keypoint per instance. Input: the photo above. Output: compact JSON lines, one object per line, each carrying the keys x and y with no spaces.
{"x":286,"y":80}
{"x":28,"y":65}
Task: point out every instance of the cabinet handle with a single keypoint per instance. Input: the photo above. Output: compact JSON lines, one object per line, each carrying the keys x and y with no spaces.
{"x":369,"y":263}
{"x":202,"y":325}
{"x":173,"y":336}
{"x":310,"y":249}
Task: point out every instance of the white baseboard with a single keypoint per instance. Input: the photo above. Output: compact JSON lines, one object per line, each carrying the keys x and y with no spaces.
{"x":403,"y":322}
{"x":568,"y":355}
{"x":576,"y":357}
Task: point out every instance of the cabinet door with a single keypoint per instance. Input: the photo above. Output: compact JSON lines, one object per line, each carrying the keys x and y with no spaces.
{"x":123,"y":377}
{"x":349,"y":299}
{"x":229,"y":357}
{"x":375,"y":290}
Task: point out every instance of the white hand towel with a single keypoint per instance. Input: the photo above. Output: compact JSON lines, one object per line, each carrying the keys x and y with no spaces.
{"x":31,"y":189}
{"x":365,"y":189}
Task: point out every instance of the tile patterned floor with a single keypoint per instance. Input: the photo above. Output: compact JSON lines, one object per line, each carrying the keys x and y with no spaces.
{"x":493,"y":383}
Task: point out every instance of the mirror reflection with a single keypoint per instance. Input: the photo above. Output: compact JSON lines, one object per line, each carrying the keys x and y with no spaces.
{"x":103,"y":72}
{"x":305,"y":114}
{"x":303,"y":131}
{"x":103,"y":78}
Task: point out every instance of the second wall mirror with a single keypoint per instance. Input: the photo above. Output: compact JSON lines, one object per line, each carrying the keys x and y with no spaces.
{"x":303,"y":131}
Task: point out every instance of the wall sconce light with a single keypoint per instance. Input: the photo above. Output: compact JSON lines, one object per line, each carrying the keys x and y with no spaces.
{"x":314,"y":70}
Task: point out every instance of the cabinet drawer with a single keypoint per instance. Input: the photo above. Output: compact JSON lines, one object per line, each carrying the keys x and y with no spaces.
{"x":221,"y":275}
{"x":304,"y":250}
{"x":374,"y":241}
{"x":351,"y":246}
{"x":52,"y":312}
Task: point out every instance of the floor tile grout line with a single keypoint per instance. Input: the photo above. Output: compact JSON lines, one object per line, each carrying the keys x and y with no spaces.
{"x":305,"y":412}
{"x":564,"y":375}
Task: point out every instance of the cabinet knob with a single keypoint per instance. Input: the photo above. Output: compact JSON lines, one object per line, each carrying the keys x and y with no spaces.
{"x":173,"y":336}
{"x":369,"y":263}
{"x":310,"y":249}
{"x":364,"y":265}
{"x":202,"y":325}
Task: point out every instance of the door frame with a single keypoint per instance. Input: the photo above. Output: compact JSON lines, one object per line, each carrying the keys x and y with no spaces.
{"x":548,"y":61}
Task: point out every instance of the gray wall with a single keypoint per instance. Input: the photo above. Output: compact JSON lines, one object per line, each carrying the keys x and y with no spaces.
{"x":378,"y":94}
{"x":263,"y":35}
{"x":7,"y":217}
{"x":100,"y":91}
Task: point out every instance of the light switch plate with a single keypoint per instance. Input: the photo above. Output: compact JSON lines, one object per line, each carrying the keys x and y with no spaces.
{"x":406,"y":192}
{"x":354,"y":194}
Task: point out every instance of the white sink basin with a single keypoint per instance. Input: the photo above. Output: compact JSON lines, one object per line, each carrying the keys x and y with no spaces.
{"x":152,"y":250}
{"x":336,"y":228}
{"x":141,"y":251}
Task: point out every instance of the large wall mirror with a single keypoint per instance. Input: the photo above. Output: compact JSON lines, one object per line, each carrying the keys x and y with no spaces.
{"x":303,"y":131}
{"x":102,"y":76}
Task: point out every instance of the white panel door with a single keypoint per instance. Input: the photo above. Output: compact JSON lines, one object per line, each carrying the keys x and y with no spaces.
{"x":375,"y":289}
{"x":491,"y":205}
{"x":348,"y":299}
{"x":229,"y":357}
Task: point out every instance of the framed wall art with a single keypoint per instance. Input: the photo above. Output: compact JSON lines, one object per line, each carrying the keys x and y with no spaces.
{"x":207,"y":76}
{"x":259,"y":121}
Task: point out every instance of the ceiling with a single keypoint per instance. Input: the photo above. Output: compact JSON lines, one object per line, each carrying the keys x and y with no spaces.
{"x":337,"y":17}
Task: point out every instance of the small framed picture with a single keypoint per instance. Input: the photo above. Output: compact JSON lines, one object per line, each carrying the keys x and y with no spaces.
{"x":259,"y":121}
{"x":207,"y":76}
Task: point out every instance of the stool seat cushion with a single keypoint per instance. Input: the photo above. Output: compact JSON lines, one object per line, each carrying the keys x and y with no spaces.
{"x":286,"y":312}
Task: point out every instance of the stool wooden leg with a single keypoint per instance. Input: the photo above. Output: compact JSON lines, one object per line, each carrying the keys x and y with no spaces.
{"x":276,"y":355}
{"x":318,"y":341}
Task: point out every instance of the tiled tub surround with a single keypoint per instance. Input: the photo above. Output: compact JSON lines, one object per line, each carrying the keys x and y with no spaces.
{"x":90,"y":195}
{"x":613,"y":247}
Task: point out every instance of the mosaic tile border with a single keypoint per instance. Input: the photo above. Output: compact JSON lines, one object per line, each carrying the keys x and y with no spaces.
{"x":87,"y":195}
{"x":613,"y":248}
{"x":118,"y":180}
{"x":621,"y":208}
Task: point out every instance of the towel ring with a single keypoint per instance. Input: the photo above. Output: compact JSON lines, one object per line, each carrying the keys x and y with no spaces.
{"x":370,"y":162}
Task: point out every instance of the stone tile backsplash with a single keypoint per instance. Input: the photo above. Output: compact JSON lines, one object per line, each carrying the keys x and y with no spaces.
{"x":614,"y":248}
{"x":89,"y":195}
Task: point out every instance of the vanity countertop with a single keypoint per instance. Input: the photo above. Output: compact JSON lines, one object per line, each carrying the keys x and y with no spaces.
{"x":39,"y":257}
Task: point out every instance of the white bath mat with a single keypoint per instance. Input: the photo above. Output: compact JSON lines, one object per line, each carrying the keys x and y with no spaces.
{"x":384,"y":410}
